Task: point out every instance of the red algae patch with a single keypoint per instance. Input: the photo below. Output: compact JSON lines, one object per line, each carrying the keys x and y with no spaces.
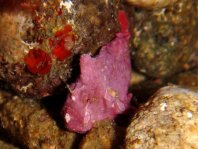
{"x":38,"y":61}
{"x":62,"y":43}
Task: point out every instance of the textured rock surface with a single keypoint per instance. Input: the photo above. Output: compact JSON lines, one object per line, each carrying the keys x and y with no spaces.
{"x":104,"y":135}
{"x":188,"y":79}
{"x":31,"y":125}
{"x":163,"y":38}
{"x":150,"y":4}
{"x":168,"y":120}
{"x":5,"y":145}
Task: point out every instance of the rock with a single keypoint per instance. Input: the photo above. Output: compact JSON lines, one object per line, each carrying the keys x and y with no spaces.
{"x":188,"y":79}
{"x":151,"y":4}
{"x":145,"y":89}
{"x":63,"y":30}
{"x":137,"y":78}
{"x":5,"y":145}
{"x":104,"y":135}
{"x":6,"y":142}
{"x":163,"y":38}
{"x":168,"y":120}
{"x":31,"y":125}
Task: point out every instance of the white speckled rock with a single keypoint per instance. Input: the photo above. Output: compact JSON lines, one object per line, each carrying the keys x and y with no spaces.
{"x":169,"y":120}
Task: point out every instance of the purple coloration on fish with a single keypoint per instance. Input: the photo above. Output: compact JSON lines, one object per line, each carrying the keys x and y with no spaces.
{"x":101,"y":92}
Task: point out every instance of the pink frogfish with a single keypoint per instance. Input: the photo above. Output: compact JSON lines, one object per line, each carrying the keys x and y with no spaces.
{"x":101,"y":92}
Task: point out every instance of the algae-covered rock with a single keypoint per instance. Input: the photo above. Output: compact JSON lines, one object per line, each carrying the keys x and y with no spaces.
{"x":40,"y":40}
{"x":163,"y":38}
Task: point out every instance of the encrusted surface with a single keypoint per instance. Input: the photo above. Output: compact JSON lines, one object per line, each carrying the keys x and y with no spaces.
{"x":168,"y":120}
{"x":37,"y":25}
